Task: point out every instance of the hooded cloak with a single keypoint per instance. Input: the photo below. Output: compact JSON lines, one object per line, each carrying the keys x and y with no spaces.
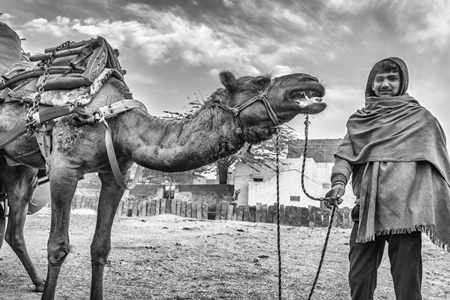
{"x":397,"y":152}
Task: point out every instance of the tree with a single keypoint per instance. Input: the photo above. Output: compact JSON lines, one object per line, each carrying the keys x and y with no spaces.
{"x":261,"y":154}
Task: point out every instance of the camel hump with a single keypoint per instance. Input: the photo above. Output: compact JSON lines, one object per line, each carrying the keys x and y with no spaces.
{"x":10,"y":47}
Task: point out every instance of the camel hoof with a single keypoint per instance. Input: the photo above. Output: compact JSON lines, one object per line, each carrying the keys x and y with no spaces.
{"x":39,"y":288}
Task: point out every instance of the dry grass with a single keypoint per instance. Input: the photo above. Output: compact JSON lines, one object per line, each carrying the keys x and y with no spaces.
{"x":169,"y":257}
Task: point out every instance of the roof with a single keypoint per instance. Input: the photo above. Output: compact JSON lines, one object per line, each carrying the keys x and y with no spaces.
{"x":321,"y":150}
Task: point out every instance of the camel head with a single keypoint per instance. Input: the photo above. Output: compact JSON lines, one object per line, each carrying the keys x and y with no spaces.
{"x":287,"y":96}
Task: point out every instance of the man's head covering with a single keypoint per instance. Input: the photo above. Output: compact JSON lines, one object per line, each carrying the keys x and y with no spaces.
{"x":404,"y":77}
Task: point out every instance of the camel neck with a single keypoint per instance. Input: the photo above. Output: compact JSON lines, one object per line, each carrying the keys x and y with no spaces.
{"x":169,"y":144}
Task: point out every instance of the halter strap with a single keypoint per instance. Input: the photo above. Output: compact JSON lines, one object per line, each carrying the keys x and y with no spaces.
{"x":260,"y":97}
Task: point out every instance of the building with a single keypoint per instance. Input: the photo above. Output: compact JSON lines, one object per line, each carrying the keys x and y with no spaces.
{"x":258,"y":184}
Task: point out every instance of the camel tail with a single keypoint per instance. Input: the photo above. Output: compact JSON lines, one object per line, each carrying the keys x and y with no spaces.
{"x":2,"y":224}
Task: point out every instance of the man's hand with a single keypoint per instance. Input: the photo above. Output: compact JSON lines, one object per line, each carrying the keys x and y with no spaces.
{"x":334,"y":195}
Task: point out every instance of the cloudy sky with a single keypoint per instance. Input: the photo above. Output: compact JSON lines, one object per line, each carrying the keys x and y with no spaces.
{"x":173,"y":50}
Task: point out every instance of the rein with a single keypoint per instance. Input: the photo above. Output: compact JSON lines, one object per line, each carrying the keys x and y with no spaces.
{"x":333,"y":211}
{"x":309,"y":196}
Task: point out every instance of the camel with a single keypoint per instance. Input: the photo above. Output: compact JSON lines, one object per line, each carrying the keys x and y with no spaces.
{"x":245,"y":110}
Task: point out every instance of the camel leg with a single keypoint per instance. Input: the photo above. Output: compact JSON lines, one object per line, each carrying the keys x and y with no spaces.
{"x":110,"y":196}
{"x":20,"y":183}
{"x":63,"y":183}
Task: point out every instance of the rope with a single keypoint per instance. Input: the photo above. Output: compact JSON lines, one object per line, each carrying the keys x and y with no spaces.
{"x":333,"y":211}
{"x":278,"y":213}
{"x":304,"y":161}
{"x":322,"y":256}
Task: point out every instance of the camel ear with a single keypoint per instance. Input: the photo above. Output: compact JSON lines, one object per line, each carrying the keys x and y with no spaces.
{"x":228,"y":80}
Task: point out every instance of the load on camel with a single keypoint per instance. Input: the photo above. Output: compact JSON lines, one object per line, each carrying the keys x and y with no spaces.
{"x":103,"y":129}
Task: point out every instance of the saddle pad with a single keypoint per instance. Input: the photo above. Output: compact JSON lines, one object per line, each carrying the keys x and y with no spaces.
{"x":81,"y":96}
{"x":10,"y":47}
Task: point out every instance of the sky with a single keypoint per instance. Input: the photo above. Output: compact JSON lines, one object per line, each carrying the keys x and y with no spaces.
{"x":174,"y":50}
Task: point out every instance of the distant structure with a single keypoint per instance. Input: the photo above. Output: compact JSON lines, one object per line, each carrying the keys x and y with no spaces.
{"x":257,"y":184}
{"x":321,"y":150}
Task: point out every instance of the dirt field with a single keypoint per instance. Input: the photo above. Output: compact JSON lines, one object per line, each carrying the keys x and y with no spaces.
{"x":170,"y":257}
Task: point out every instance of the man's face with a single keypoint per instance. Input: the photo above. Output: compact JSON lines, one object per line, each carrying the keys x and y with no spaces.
{"x":386,"y":84}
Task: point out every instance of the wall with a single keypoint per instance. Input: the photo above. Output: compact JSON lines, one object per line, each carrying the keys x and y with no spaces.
{"x":316,"y":181}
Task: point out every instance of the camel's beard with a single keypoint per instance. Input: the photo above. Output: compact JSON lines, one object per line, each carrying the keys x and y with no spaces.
{"x":257,"y":134}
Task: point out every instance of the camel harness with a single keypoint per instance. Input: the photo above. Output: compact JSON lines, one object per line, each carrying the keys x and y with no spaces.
{"x":80,"y":67}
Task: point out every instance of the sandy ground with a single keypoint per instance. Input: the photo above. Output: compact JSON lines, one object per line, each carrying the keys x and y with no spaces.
{"x":170,"y":257}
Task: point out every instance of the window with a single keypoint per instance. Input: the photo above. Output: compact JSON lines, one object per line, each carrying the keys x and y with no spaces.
{"x":295,"y":198}
{"x":257,"y":180}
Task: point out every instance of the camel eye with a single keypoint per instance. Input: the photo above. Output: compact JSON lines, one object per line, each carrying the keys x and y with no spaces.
{"x":262,"y":82}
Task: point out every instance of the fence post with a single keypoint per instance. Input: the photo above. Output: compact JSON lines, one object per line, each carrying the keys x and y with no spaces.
{"x":195,"y":208}
{"x":128,"y":207}
{"x":188,"y":209}
{"x":178,"y":207}
{"x":239,"y":213}
{"x":264,"y":214}
{"x":163,"y":203}
{"x":282,"y":212}
{"x":311,"y":216}
{"x":182,"y":209}
{"x":326,"y":217}
{"x":252,"y":213}
{"x":275,"y":213}
{"x":317,"y":217}
{"x":269,"y":214}
{"x":223,"y":210}
{"x":258,"y":213}
{"x":246,"y":214}
{"x":141,"y":207}
{"x":218,"y":206}
{"x":230,"y":210}
{"x":157,"y":207}
{"x":293,"y":217}
{"x":287,"y":215}
{"x":204,"y":211}
{"x":152,"y":208}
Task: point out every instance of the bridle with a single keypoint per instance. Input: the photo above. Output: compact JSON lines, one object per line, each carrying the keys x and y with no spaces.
{"x":262,"y":96}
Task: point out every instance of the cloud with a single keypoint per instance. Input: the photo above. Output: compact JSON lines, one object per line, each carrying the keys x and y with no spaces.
{"x":281,"y":70}
{"x":5,"y":18}
{"x":348,"y":6}
{"x":163,"y":36}
{"x":427,"y":26}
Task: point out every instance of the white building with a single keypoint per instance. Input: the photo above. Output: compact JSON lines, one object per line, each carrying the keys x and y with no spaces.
{"x":258,"y":184}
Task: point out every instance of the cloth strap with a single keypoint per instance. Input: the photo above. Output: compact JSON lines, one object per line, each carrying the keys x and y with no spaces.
{"x":115,"y":165}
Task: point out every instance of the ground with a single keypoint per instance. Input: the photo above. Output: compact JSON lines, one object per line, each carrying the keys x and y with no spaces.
{"x":170,"y":257}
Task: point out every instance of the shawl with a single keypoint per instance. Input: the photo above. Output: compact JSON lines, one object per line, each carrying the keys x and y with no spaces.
{"x":395,"y":129}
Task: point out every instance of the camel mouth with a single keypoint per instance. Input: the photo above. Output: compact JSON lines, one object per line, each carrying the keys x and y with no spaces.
{"x":305,"y":98}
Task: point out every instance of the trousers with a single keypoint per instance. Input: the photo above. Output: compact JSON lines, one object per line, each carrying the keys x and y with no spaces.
{"x":405,"y":255}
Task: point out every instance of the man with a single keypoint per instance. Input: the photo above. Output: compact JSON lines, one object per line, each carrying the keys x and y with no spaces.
{"x":396,"y":151}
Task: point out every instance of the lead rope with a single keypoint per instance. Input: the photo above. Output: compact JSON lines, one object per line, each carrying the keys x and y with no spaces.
{"x":319,"y":199}
{"x":278,"y":212}
{"x":309,"y":196}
